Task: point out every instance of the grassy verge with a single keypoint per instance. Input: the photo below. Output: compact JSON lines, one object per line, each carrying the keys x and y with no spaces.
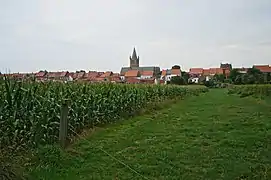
{"x":211,"y":136}
{"x":13,"y":165}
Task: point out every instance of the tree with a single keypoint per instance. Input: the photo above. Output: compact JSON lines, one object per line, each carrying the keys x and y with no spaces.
{"x":233,"y":74}
{"x":177,"y":80}
{"x":251,"y":79}
{"x":238,"y":79}
{"x":219,"y":78}
{"x":254,"y":76}
{"x":268,"y":77}
{"x":253,"y":71}
{"x":209,"y":83}
{"x":185,"y":76}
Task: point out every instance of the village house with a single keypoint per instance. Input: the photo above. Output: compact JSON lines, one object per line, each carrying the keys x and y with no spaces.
{"x":52,"y":76}
{"x":80,"y":75}
{"x":241,"y":70}
{"x":175,"y":72}
{"x":167,"y":74}
{"x":115,"y":78}
{"x":41,"y":75}
{"x":263,"y":68}
{"x":200,"y":74}
{"x":132,"y":74}
{"x":106,"y":76}
{"x":195,"y":74}
{"x":65,"y":76}
{"x":147,"y":75}
{"x":226,"y":66}
{"x":91,"y":75}
{"x":138,"y":72}
{"x":214,"y":71}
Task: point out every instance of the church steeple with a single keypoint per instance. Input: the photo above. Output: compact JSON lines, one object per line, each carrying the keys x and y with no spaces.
{"x":134,"y":60}
{"x":134,"y":56}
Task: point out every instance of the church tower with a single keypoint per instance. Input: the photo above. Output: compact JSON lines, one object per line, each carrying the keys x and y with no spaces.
{"x":134,"y":60}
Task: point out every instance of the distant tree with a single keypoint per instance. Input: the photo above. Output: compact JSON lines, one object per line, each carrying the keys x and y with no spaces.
{"x":185,"y":76}
{"x":254,"y":76}
{"x":233,"y":74}
{"x":261,"y":78}
{"x":268,"y":77}
{"x":253,"y":71}
{"x":229,"y":81}
{"x":219,"y":78}
{"x":244,"y":79}
{"x":177,"y":80}
{"x":251,"y":79}
{"x":238,"y":79}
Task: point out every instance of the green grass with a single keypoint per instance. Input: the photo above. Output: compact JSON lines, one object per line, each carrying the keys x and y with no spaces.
{"x":211,"y":136}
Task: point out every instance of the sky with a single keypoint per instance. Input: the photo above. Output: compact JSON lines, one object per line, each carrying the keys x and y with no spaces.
{"x":56,"y":35}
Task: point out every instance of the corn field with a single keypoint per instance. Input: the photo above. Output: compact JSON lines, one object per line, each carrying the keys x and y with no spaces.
{"x":251,"y":90}
{"x":30,"y":111}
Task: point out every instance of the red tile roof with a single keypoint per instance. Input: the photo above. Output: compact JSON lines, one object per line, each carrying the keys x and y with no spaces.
{"x":212,"y":70}
{"x":147,"y":81}
{"x":64,"y":74}
{"x":196,"y":71}
{"x":91,"y":75}
{"x":176,"y":72}
{"x":147,"y":73}
{"x":18,"y":75}
{"x":132,"y":80}
{"x":116,"y":75}
{"x":40,"y":74}
{"x":216,"y":71}
{"x":116,"y":79}
{"x":206,"y":72}
{"x":263,"y":68}
{"x":107,"y":74}
{"x":99,"y":79}
{"x":132,"y":73}
{"x":53,"y":74}
{"x":219,"y":71}
{"x":80,"y":75}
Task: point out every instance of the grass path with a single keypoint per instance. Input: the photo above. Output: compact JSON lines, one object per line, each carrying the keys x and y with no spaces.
{"x":211,"y":136}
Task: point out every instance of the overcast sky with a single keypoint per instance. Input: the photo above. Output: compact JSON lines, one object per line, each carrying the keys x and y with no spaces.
{"x":100,"y":34}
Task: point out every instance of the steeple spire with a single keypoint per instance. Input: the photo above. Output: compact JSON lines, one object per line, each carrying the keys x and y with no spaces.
{"x":134,"y":60}
{"x":134,"y":56}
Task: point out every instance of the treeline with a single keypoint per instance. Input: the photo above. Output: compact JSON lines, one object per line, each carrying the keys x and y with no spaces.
{"x":253,"y":76}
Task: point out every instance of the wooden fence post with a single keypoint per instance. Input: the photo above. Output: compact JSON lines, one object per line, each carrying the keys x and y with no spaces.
{"x":63,"y":129}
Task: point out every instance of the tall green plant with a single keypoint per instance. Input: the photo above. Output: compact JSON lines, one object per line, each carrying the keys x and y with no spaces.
{"x":30,"y":111}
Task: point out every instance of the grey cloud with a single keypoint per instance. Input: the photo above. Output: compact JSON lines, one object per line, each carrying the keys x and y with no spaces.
{"x":100,"y":34}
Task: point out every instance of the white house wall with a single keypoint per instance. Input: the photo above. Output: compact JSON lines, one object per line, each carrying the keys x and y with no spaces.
{"x":146,"y":77}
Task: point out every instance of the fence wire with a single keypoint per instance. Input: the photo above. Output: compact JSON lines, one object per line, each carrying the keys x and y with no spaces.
{"x":114,"y":158}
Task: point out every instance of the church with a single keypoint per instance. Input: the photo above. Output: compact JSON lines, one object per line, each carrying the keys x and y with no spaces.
{"x":137,"y":71}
